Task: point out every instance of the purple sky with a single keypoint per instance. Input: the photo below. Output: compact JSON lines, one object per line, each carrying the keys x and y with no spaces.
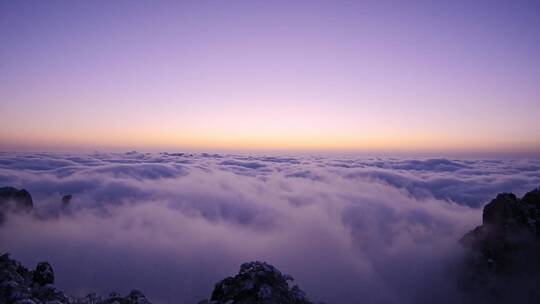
{"x":404,"y":76}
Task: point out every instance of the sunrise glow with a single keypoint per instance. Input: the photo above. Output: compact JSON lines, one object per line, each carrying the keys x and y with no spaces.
{"x":245,"y":76}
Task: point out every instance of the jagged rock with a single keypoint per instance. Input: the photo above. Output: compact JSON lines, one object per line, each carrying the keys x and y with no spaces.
{"x":135,"y":297}
{"x":49,"y":293}
{"x":257,"y":283}
{"x":12,"y":199}
{"x":502,"y":262}
{"x":91,"y":298}
{"x":18,"y":285}
{"x":14,"y":281}
{"x":19,"y":199}
{"x":43,"y":274}
{"x":66,"y":199}
{"x":532,"y":198}
{"x":501,"y":209}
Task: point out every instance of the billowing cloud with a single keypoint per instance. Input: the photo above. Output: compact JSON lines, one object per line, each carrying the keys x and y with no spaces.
{"x":172,"y":224}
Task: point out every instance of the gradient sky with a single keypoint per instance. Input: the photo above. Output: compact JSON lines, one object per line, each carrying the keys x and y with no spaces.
{"x":291,"y":75}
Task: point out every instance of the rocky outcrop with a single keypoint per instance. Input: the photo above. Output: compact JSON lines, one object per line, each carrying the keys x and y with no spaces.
{"x":12,"y":199}
{"x":17,"y":201}
{"x":257,"y":283}
{"x":66,"y":199}
{"x":43,"y":274}
{"x":502,"y":262}
{"x":19,"y":285}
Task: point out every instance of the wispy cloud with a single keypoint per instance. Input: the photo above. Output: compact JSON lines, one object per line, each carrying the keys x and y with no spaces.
{"x":349,"y":230}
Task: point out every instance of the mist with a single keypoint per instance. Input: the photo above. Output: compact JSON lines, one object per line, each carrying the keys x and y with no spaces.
{"x":349,"y":230}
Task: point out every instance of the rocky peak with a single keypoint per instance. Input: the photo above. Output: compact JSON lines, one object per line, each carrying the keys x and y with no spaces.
{"x":532,"y":198}
{"x":257,"y":283}
{"x":12,"y":199}
{"x":43,"y":274}
{"x":505,"y":248}
{"x":66,"y":199}
{"x":19,"y":285}
{"x":19,"y":199}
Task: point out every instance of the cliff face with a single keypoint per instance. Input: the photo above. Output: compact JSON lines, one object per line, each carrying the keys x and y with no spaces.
{"x":502,"y":262}
{"x":19,"y":285}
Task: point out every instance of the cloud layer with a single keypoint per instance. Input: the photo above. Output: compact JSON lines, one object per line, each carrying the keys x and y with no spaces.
{"x":350,"y":230}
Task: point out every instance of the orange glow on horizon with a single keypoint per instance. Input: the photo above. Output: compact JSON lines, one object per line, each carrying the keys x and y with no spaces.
{"x":269,"y":141}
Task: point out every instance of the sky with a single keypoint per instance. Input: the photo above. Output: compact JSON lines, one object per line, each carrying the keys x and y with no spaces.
{"x":270,"y":75}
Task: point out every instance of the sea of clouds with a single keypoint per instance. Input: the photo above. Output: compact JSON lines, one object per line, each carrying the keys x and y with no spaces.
{"x":349,"y":230}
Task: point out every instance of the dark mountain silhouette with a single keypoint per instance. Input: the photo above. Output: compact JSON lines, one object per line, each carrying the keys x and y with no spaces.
{"x":12,"y":199}
{"x":502,"y":263}
{"x":257,"y":282}
{"x":19,"y":285}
